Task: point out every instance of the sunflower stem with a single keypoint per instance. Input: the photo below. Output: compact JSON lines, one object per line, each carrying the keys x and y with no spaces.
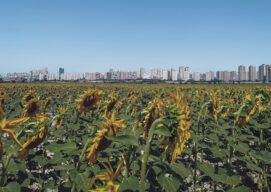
{"x":79,"y":161}
{"x":146,"y":155}
{"x":4,"y":169}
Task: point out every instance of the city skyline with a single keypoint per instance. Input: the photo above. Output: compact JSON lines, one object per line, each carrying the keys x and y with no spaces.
{"x":263,"y":74}
{"x":98,"y":35}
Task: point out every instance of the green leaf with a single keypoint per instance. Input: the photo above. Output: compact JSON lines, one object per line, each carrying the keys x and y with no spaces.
{"x":67,"y":146}
{"x":180,"y":169}
{"x":207,"y":169}
{"x":169,"y":183}
{"x":263,"y":155}
{"x":162,"y":131}
{"x":129,"y":184}
{"x":242,"y":147}
{"x":81,"y":181}
{"x":124,"y":139}
{"x":11,"y":187}
{"x":240,"y":189}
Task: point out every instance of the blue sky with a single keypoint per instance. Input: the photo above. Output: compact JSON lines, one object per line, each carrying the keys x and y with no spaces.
{"x":90,"y":36}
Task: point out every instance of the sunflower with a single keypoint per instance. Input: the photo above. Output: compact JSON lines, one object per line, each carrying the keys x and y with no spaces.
{"x":7,"y":125}
{"x":35,"y":140}
{"x":32,"y":107}
{"x":109,"y":106}
{"x":215,"y":107}
{"x":100,"y":143}
{"x":3,"y":98}
{"x":61,"y":110}
{"x":154,"y":111}
{"x":89,"y":99}
{"x":47,"y":103}
{"x":108,"y":177}
{"x":30,"y":95}
{"x":179,"y":114}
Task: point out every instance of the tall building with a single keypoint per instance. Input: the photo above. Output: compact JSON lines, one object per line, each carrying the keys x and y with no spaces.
{"x":174,"y":76}
{"x":219,"y":75}
{"x":242,"y":72}
{"x":60,"y":72}
{"x":209,"y":76}
{"x":186,"y":75}
{"x":196,"y":76}
{"x":142,"y":72}
{"x":165,"y":74}
{"x":269,"y":73}
{"x":226,"y":76}
{"x":264,"y":72}
{"x":233,"y":76}
{"x":252,"y":74}
{"x":181,"y":73}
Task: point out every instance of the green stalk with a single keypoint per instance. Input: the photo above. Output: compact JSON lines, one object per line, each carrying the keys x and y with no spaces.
{"x":146,"y":155}
{"x":4,"y":169}
{"x":195,"y":149}
{"x":80,"y":160}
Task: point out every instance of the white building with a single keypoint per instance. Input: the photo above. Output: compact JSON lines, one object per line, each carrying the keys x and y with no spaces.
{"x":186,"y":75}
{"x":196,"y":76}
{"x":165,"y":74}
{"x":209,"y":76}
{"x":181,"y":73}
{"x":242,"y":73}
{"x":252,"y":74}
{"x":174,"y":76}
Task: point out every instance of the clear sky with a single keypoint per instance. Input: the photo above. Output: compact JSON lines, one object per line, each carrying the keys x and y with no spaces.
{"x":90,"y":36}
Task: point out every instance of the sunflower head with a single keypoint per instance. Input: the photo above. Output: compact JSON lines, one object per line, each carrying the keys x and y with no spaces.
{"x":154,"y":111}
{"x":89,"y":99}
{"x":30,"y":95}
{"x":31,"y":108}
{"x":100,"y":143}
{"x":178,"y":125}
{"x":47,"y":103}
{"x":3,"y":98}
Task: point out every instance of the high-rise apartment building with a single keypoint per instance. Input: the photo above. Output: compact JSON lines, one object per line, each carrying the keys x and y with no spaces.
{"x":226,"y":76}
{"x":174,"y":76}
{"x":142,"y":72}
{"x":181,"y":73}
{"x":165,"y":74}
{"x":196,"y":76}
{"x":242,"y":72}
{"x":233,"y":76}
{"x":186,"y":75}
{"x":264,"y":72}
{"x":252,"y":74}
{"x":209,"y":76}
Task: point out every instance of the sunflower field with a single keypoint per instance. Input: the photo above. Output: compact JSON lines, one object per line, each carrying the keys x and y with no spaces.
{"x":134,"y":137}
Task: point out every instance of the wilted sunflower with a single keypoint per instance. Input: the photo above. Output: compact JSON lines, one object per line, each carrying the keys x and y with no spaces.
{"x":154,"y":111}
{"x":215,"y":107}
{"x":108,"y":178}
{"x":32,"y":107}
{"x":109,"y":106}
{"x":119,"y":105}
{"x":100,"y":143}
{"x":249,"y":108}
{"x":3,"y":98}
{"x":47,"y":103}
{"x":61,"y":110}
{"x":7,"y":125}
{"x":30,"y":95}
{"x":180,"y":132}
{"x":35,"y":140}
{"x":89,"y":99}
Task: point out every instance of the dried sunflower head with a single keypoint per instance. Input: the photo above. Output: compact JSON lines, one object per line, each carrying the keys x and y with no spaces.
{"x":89,"y":99}
{"x":32,"y":107}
